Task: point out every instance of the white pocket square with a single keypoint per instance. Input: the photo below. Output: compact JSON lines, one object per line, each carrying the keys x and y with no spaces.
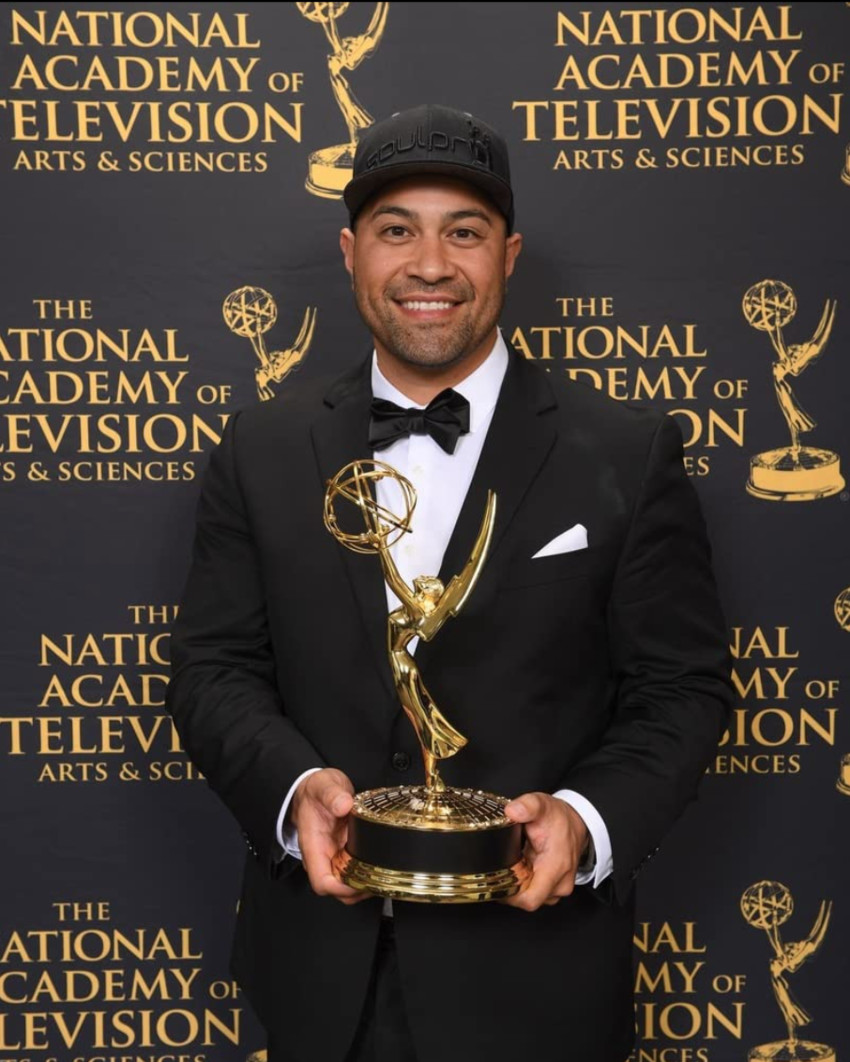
{"x":572,"y":539}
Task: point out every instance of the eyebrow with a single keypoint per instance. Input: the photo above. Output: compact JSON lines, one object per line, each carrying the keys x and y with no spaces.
{"x":452,"y":215}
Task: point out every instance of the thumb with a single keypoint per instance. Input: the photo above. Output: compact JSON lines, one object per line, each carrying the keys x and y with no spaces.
{"x":523,"y":809}
{"x":337,"y":800}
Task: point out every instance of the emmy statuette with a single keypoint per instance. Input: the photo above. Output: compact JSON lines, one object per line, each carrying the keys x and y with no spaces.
{"x":843,"y":782}
{"x":845,"y":172}
{"x":329,"y":169}
{"x":766,"y":905}
{"x":795,"y":472}
{"x":250,"y":312}
{"x":431,"y":843}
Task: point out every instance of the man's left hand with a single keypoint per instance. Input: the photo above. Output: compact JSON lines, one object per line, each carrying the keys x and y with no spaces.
{"x":556,"y":837}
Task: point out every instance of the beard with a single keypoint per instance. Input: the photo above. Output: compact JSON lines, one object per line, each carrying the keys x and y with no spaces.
{"x":435,"y":345}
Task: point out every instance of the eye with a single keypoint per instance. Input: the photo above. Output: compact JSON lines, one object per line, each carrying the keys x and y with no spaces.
{"x":394,"y":231}
{"x":465,"y":235}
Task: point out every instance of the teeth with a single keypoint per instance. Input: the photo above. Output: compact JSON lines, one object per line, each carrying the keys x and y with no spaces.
{"x":427,"y":305}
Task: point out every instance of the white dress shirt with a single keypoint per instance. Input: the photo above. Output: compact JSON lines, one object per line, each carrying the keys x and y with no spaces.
{"x":441,"y":481}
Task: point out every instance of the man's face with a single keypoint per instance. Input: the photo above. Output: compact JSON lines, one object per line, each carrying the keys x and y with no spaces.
{"x":428,"y":264}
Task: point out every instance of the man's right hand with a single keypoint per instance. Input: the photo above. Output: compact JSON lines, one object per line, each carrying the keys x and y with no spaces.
{"x":319,"y":812}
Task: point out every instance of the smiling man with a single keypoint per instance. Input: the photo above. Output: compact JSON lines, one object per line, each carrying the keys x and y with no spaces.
{"x":588,"y":670}
{"x":428,"y":265}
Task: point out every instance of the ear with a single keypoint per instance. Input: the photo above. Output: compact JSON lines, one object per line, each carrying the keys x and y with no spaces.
{"x":513,"y":245}
{"x":346,"y":245}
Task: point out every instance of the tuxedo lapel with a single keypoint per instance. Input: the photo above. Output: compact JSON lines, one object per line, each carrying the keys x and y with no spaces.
{"x":341,"y":435}
{"x":520,"y":438}
{"x":518,"y":441}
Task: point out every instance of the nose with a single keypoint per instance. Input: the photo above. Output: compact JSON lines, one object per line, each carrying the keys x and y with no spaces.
{"x":430,"y":260}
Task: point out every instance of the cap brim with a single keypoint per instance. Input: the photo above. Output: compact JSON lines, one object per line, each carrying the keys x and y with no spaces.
{"x":362,"y":188}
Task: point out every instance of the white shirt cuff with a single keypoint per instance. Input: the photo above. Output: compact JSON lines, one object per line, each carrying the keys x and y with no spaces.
{"x":287,"y":835}
{"x":598,"y":835}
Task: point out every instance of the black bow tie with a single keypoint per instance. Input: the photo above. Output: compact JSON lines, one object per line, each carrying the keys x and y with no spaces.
{"x":445,"y":419}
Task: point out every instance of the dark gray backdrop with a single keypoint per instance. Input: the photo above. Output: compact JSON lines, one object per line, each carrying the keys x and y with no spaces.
{"x":88,"y":815}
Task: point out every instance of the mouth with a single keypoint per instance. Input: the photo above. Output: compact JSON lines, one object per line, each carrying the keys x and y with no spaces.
{"x":427,"y":308}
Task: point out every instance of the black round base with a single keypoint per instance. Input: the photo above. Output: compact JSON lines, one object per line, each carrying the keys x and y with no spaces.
{"x":434,"y":851}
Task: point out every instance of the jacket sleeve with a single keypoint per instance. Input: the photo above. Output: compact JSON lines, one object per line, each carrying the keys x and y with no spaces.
{"x":669,"y":654}
{"x":223,"y":694}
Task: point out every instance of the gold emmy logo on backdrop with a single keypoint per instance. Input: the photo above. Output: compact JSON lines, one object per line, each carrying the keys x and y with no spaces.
{"x":842,"y":609}
{"x":845,"y":173}
{"x":329,"y":169}
{"x":766,"y":905}
{"x":250,"y":313}
{"x":258,"y":1056}
{"x":843,"y":783}
{"x":429,"y":842}
{"x":795,"y":472}
{"x":842,"y":616}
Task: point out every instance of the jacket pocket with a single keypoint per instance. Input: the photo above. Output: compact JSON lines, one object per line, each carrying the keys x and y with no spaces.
{"x":573,"y":565}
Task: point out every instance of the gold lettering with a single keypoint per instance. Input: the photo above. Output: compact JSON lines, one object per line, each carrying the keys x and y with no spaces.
{"x":649,"y":940}
{"x":758,"y":643}
{"x":685,"y":25}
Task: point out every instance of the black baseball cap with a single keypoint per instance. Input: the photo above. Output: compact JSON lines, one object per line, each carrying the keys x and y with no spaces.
{"x":431,"y":139}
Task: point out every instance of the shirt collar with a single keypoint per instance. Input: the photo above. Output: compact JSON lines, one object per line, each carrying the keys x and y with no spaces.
{"x":481,"y":388}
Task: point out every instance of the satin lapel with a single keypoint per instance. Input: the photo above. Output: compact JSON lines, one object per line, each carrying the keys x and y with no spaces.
{"x":340,"y":435}
{"x":520,"y":437}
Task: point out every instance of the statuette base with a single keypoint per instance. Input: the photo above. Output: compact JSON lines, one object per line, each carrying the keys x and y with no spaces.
{"x":792,"y":1051}
{"x":329,"y":170}
{"x":777,"y":475}
{"x":431,"y":888}
{"x":432,"y":846}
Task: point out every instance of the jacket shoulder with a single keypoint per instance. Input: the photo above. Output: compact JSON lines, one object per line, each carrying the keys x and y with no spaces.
{"x":584,"y":409}
{"x":290,"y":413}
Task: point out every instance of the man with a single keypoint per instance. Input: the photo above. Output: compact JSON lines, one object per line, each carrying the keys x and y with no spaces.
{"x":590,"y":680}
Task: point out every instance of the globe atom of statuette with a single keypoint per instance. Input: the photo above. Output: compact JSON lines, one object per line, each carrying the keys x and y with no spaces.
{"x":769,"y":305}
{"x":842,"y":609}
{"x":322,"y":12}
{"x":767,"y":904}
{"x":382,"y":528}
{"x":249,"y":312}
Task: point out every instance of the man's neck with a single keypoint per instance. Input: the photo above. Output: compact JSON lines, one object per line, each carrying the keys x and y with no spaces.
{"x":419,"y":383}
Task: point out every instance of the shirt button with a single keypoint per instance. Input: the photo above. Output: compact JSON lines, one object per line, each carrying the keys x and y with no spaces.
{"x":401,"y":761}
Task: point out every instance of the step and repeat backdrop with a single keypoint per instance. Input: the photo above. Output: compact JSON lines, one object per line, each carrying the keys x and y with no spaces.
{"x":171,"y":179}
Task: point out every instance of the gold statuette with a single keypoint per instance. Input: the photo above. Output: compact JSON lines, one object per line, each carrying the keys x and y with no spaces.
{"x":250,"y":313}
{"x":431,"y":842}
{"x":329,"y":169}
{"x":843,"y":782}
{"x":766,"y":905}
{"x":795,"y":472}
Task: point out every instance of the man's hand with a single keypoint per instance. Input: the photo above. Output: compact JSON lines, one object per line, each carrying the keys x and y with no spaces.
{"x":556,"y":837}
{"x":319,"y":812}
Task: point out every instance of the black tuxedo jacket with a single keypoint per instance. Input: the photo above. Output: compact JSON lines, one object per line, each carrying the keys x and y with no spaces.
{"x":602,"y":670}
